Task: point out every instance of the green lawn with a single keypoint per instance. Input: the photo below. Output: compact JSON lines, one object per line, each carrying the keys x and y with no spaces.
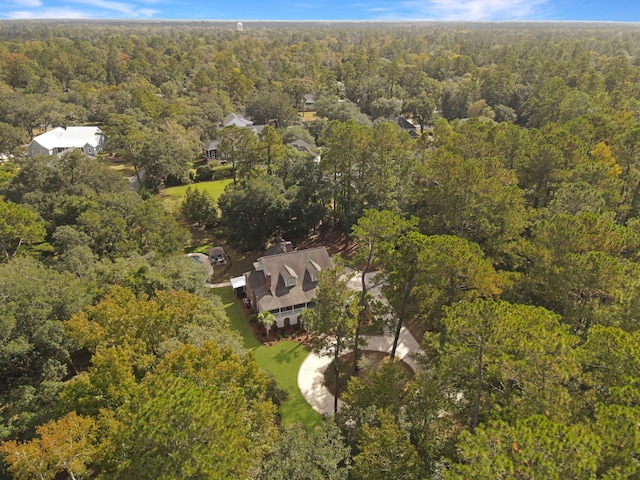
{"x":213,"y":188}
{"x":236,"y":315}
{"x":281,"y":360}
{"x":172,"y":197}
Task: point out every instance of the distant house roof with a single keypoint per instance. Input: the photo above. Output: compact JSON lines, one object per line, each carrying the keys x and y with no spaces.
{"x":70,"y":137}
{"x":237,"y":120}
{"x":216,"y":252}
{"x":269,"y":281}
{"x":309,"y":98}
{"x":303,"y":146}
{"x":212,"y":145}
{"x":402,"y":122}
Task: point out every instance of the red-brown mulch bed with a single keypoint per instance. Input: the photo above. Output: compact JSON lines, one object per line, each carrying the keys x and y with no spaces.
{"x":294,"y":333}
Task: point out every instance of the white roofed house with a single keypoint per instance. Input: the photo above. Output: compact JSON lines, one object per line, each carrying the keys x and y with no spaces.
{"x":90,"y":140}
{"x":237,"y":120}
{"x":211,"y":150}
{"x":285,"y":283}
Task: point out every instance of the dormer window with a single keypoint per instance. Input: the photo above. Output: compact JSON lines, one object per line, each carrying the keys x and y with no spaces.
{"x":289,"y":275}
{"x":313,"y":269}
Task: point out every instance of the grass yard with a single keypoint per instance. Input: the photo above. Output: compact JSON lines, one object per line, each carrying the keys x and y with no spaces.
{"x":308,"y":116}
{"x":283,"y":361}
{"x":213,"y":188}
{"x":237,"y":317}
{"x":117,"y":164}
{"x":172,"y":196}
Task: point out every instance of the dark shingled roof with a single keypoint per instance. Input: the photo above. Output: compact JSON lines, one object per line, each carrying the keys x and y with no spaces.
{"x":216,"y":252}
{"x":212,"y":145}
{"x":280,"y":246}
{"x":301,"y":264}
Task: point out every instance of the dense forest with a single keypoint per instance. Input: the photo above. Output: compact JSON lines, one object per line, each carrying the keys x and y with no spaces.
{"x":507,"y":228}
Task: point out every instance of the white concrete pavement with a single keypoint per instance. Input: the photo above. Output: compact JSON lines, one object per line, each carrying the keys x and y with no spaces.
{"x":311,"y":373}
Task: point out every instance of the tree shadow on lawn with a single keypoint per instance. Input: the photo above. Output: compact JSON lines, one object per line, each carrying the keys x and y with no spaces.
{"x":283,"y":361}
{"x":287,"y":356}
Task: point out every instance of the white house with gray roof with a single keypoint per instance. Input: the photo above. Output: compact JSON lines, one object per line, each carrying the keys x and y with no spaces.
{"x":90,"y":140}
{"x":237,"y":120}
{"x":285,"y":283}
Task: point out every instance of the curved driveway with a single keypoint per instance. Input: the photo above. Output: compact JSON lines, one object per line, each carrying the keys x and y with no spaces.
{"x":311,"y":373}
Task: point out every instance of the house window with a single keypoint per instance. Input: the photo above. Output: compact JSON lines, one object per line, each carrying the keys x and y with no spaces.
{"x":314,"y":277}
{"x":291,"y":282}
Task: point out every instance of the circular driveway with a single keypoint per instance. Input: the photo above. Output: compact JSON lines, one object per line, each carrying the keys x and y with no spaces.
{"x":311,"y":373}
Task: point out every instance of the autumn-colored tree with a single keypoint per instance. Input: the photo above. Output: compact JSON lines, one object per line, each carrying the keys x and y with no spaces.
{"x":64,"y":446}
{"x":204,"y":412}
{"x":149,"y":327}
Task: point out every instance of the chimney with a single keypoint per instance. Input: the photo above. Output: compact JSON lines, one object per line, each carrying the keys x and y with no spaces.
{"x":288,"y":247}
{"x":267,"y":276}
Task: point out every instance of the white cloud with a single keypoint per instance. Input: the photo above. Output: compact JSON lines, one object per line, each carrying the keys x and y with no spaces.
{"x":27,"y":3}
{"x":147,"y":12}
{"x":25,"y":9}
{"x":127,"y":9}
{"x":476,"y":9}
{"x":47,"y":13}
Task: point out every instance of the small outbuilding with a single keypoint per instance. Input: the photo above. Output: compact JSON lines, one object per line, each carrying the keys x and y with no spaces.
{"x":217,"y":256}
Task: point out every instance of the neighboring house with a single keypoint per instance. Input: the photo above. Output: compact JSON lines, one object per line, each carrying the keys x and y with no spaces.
{"x":405,"y":125}
{"x":237,"y":120}
{"x":303,"y":146}
{"x":211,"y":150}
{"x":309,"y":101}
{"x":90,"y":140}
{"x":285,"y":283}
{"x":256,"y":128}
{"x":217,"y":256}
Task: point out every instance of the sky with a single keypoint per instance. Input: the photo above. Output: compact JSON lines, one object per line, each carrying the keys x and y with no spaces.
{"x":446,"y":10}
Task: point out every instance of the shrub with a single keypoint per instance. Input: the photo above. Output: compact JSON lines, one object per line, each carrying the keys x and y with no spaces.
{"x":204,"y":173}
{"x":223,"y":171}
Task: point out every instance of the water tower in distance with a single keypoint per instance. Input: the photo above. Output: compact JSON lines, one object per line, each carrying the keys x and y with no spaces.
{"x":239,"y":27}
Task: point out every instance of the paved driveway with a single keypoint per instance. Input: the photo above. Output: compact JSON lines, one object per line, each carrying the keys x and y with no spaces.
{"x":311,"y":373}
